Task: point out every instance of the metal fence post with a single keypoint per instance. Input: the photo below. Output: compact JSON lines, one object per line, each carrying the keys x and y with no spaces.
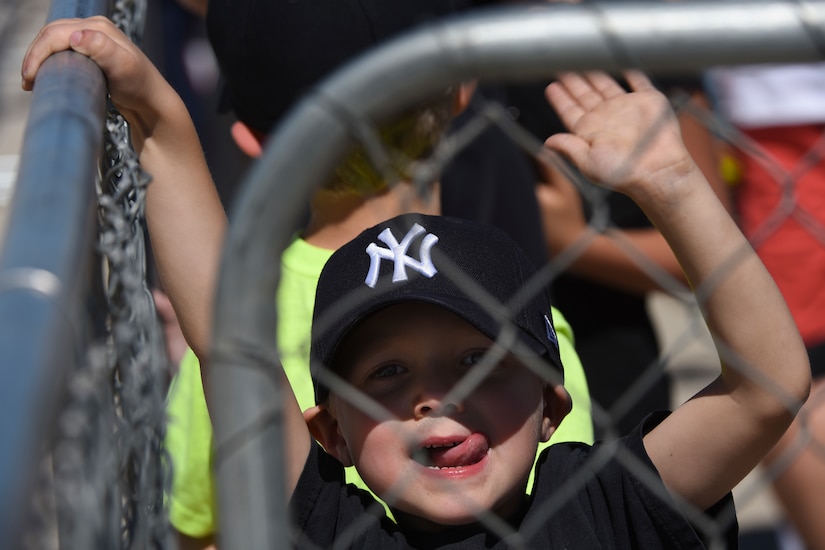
{"x":47,"y":260}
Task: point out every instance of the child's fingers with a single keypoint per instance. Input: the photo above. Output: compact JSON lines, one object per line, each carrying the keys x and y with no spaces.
{"x":574,"y":94}
{"x":95,"y":37}
{"x":50,"y":39}
{"x":101,"y":49}
{"x":605,"y":84}
{"x":566,"y":106}
{"x":637,"y":80}
{"x":581,"y":90}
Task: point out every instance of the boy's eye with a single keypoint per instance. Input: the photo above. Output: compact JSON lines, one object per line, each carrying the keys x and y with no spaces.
{"x":474,"y":358}
{"x":387,"y":371}
{"x":491,"y":372}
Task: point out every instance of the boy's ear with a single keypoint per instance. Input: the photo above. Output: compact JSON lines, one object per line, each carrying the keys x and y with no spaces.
{"x":463,"y":96}
{"x":324,"y":428}
{"x":248,"y":140}
{"x":557,"y":404}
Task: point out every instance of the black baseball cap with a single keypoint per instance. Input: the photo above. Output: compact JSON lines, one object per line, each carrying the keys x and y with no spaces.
{"x":473,"y":270}
{"x":271,"y":52}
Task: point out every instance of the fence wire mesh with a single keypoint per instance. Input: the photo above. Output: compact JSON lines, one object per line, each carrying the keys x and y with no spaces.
{"x":342,"y":109}
{"x":103,"y":483}
{"x":596,"y":201}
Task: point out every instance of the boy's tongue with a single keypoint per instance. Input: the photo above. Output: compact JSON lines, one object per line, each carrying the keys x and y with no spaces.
{"x":469,"y":451}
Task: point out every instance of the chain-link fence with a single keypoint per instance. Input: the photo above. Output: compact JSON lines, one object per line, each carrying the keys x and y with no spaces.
{"x":91,"y":396}
{"x":507,"y":45}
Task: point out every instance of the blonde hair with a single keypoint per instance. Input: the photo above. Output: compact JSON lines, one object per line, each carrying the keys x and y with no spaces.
{"x":407,"y":139}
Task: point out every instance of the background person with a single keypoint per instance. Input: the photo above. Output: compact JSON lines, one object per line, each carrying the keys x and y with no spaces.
{"x":779,"y":199}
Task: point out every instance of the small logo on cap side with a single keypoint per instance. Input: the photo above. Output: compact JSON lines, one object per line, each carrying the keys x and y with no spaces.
{"x":551,"y":332}
{"x":397,"y":252}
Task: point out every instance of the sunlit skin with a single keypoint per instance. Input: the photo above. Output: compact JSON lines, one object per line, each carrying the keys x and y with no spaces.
{"x":407,"y":357}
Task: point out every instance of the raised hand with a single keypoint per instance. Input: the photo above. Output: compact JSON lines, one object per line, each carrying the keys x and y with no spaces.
{"x":626,"y":141}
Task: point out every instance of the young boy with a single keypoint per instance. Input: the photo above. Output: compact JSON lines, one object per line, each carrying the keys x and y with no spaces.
{"x":442,"y":458}
{"x":445,"y":456}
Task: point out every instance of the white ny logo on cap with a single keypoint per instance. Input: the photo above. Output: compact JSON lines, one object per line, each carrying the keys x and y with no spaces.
{"x":397,"y":252}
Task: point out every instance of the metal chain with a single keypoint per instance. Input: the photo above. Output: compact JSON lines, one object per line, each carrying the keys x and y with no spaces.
{"x":103,"y":484}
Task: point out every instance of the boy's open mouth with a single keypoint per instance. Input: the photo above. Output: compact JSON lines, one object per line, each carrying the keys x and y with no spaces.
{"x":454,"y":454}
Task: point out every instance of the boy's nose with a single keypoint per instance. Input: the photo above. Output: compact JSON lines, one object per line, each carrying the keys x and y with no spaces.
{"x":437,"y":406}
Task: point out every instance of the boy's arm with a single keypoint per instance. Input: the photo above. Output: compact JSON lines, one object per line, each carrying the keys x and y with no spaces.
{"x":185,"y":218}
{"x":631,"y":142}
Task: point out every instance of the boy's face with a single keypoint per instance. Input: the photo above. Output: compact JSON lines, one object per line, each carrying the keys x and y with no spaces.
{"x":438,"y":460}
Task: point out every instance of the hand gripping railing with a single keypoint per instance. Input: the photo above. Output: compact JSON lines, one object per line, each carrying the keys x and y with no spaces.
{"x":505,"y":44}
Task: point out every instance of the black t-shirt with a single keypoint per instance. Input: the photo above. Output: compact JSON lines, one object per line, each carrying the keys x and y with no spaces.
{"x":608,"y":496}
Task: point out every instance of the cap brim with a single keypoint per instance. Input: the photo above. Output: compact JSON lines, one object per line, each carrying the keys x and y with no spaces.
{"x":468,"y":310}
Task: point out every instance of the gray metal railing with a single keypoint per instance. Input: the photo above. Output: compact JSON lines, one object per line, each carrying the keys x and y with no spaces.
{"x":502,"y":44}
{"x":47,"y":260}
{"x":84,"y":373}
